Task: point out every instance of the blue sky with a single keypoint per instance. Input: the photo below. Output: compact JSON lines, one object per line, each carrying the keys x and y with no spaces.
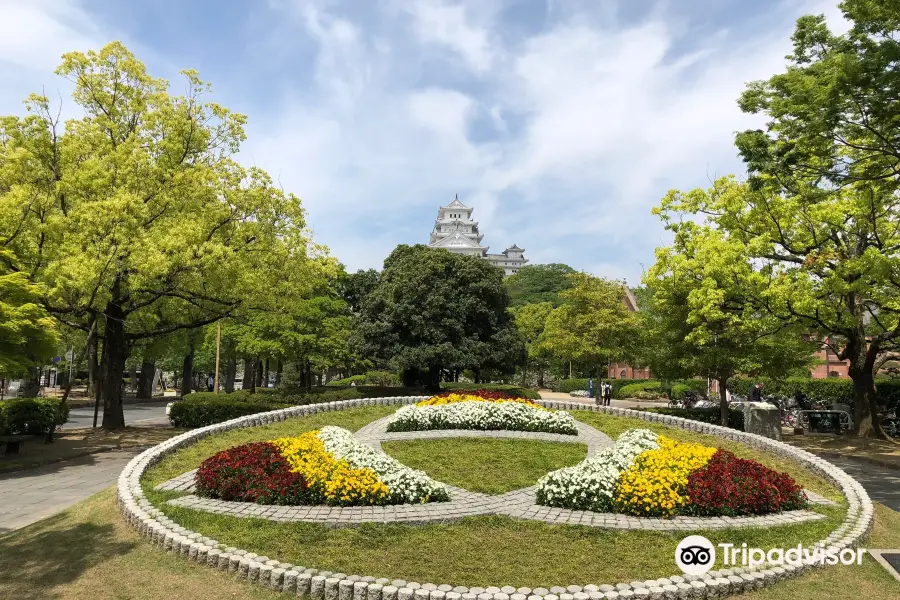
{"x":562,"y":122}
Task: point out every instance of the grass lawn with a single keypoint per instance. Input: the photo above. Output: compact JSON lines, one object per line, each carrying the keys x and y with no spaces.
{"x":88,"y":552}
{"x":73,"y":443}
{"x":489,"y":466}
{"x":614,"y":426}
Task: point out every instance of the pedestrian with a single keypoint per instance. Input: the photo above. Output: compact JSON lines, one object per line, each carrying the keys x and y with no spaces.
{"x":607,"y":393}
{"x":756,"y":393}
{"x":800,"y":400}
{"x":209,"y":382}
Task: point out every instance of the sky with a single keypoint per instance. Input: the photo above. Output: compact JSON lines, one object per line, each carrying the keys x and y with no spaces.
{"x":561,"y":122}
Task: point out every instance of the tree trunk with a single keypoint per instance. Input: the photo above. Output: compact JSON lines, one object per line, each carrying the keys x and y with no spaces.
{"x":861,"y":371}
{"x":278,"y":372}
{"x":540,"y":381}
{"x":253,"y":364}
{"x":258,"y":371}
{"x":132,"y":379}
{"x":32,"y":383}
{"x":92,"y":362}
{"x":308,"y":374}
{"x":597,"y":387}
{"x":230,"y":372}
{"x":112,"y":363}
{"x":187,"y":372}
{"x":246,"y":381}
{"x":145,"y":381}
{"x":433,"y":382}
{"x":266,"y":374}
{"x":477,"y":375}
{"x":723,"y":402}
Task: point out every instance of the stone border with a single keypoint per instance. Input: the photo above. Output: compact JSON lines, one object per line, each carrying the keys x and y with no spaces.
{"x":519,"y":503}
{"x":322,"y":585}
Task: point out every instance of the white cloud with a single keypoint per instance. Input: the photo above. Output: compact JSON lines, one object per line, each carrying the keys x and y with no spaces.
{"x":562,"y":141}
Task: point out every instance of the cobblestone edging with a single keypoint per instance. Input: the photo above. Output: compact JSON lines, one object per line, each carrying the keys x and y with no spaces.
{"x":519,"y":503}
{"x":325,"y":585}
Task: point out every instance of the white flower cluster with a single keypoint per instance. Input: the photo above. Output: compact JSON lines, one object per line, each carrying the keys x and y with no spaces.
{"x":407,"y":485}
{"x":483,"y":416}
{"x":590,"y":484}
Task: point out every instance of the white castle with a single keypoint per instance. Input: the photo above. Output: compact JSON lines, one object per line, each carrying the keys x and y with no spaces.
{"x":454,"y":230}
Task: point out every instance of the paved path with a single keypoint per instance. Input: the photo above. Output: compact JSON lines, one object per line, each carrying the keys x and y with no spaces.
{"x":147,"y":414}
{"x":27,"y":496}
{"x":613,"y":402}
{"x":883,"y":485}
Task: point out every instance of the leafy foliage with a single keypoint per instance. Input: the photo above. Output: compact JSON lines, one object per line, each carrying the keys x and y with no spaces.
{"x":434,"y":309}
{"x":28,"y":335}
{"x":534,"y":284}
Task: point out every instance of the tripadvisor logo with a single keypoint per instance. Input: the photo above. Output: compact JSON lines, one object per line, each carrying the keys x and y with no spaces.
{"x":696,"y":555}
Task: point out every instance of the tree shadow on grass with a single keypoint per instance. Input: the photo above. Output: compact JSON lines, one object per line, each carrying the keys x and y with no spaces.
{"x":34,"y":560}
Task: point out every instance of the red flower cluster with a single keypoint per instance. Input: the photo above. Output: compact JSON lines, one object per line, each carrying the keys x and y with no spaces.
{"x":255,"y":472}
{"x":732,"y":486}
{"x":486,"y":394}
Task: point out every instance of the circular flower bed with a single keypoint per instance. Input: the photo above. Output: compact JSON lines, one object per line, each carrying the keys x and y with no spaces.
{"x":326,"y":466}
{"x":481,"y":410}
{"x":650,"y":475}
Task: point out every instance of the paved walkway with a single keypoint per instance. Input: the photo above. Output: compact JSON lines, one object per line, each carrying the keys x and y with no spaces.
{"x":613,"y":402}
{"x":144,"y":414}
{"x":27,"y":496}
{"x":883,"y":485}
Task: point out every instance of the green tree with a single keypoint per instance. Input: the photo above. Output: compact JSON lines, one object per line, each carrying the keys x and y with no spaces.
{"x":593,"y":325}
{"x":703,"y":316}
{"x":435,"y":310}
{"x":28,"y":335}
{"x":822,"y":206}
{"x":354,"y":287}
{"x":134,"y":216}
{"x":538,"y":283}
{"x":530,"y":320}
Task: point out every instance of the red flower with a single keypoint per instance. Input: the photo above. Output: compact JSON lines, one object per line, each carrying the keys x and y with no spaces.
{"x":254,"y":472}
{"x":731,"y":486}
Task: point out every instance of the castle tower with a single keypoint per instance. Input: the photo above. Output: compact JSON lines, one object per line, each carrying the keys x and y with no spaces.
{"x":456,"y":231}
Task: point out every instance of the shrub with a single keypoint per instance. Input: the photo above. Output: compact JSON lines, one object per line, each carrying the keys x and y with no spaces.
{"x":380,"y":378}
{"x":649,"y":389}
{"x":731,"y":486}
{"x":200,"y":412}
{"x":704,"y":415}
{"x":31,"y":416}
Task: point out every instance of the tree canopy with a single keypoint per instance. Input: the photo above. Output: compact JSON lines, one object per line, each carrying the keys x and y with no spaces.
{"x":434,"y":310}
{"x":538,"y":283}
{"x":134,"y":217}
{"x":28,"y":335}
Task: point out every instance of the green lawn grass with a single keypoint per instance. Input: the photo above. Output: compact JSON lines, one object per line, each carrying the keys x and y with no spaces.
{"x":614,"y":426}
{"x":481,"y":550}
{"x":489,"y":466}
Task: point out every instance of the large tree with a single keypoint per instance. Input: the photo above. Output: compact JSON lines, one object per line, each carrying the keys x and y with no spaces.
{"x":435,"y":310}
{"x":538,"y":283}
{"x":530,"y":320}
{"x":28,"y":335}
{"x":134,"y":216}
{"x":704,"y":318}
{"x":592,"y":326}
{"x":825,"y":181}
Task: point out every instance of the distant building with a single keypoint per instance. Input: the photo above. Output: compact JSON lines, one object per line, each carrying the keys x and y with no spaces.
{"x":454,"y":230}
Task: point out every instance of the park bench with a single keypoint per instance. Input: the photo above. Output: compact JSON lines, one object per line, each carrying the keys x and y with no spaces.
{"x":13,"y":443}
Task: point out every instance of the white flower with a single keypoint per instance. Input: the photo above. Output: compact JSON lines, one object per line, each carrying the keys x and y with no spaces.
{"x":407,"y":485}
{"x":484,"y":416}
{"x":589,"y":485}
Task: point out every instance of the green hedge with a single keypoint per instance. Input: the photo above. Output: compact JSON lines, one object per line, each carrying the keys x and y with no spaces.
{"x":649,"y":389}
{"x":31,"y":416}
{"x":515,"y":390}
{"x":380,"y":378}
{"x":704,"y":415}
{"x":200,"y":412}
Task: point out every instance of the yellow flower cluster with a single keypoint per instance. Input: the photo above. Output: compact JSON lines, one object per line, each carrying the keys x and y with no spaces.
{"x":454,"y":398}
{"x":335,"y":480}
{"x":654,"y":484}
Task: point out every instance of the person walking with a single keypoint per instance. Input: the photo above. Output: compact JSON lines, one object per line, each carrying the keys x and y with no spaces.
{"x":607,"y":393}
